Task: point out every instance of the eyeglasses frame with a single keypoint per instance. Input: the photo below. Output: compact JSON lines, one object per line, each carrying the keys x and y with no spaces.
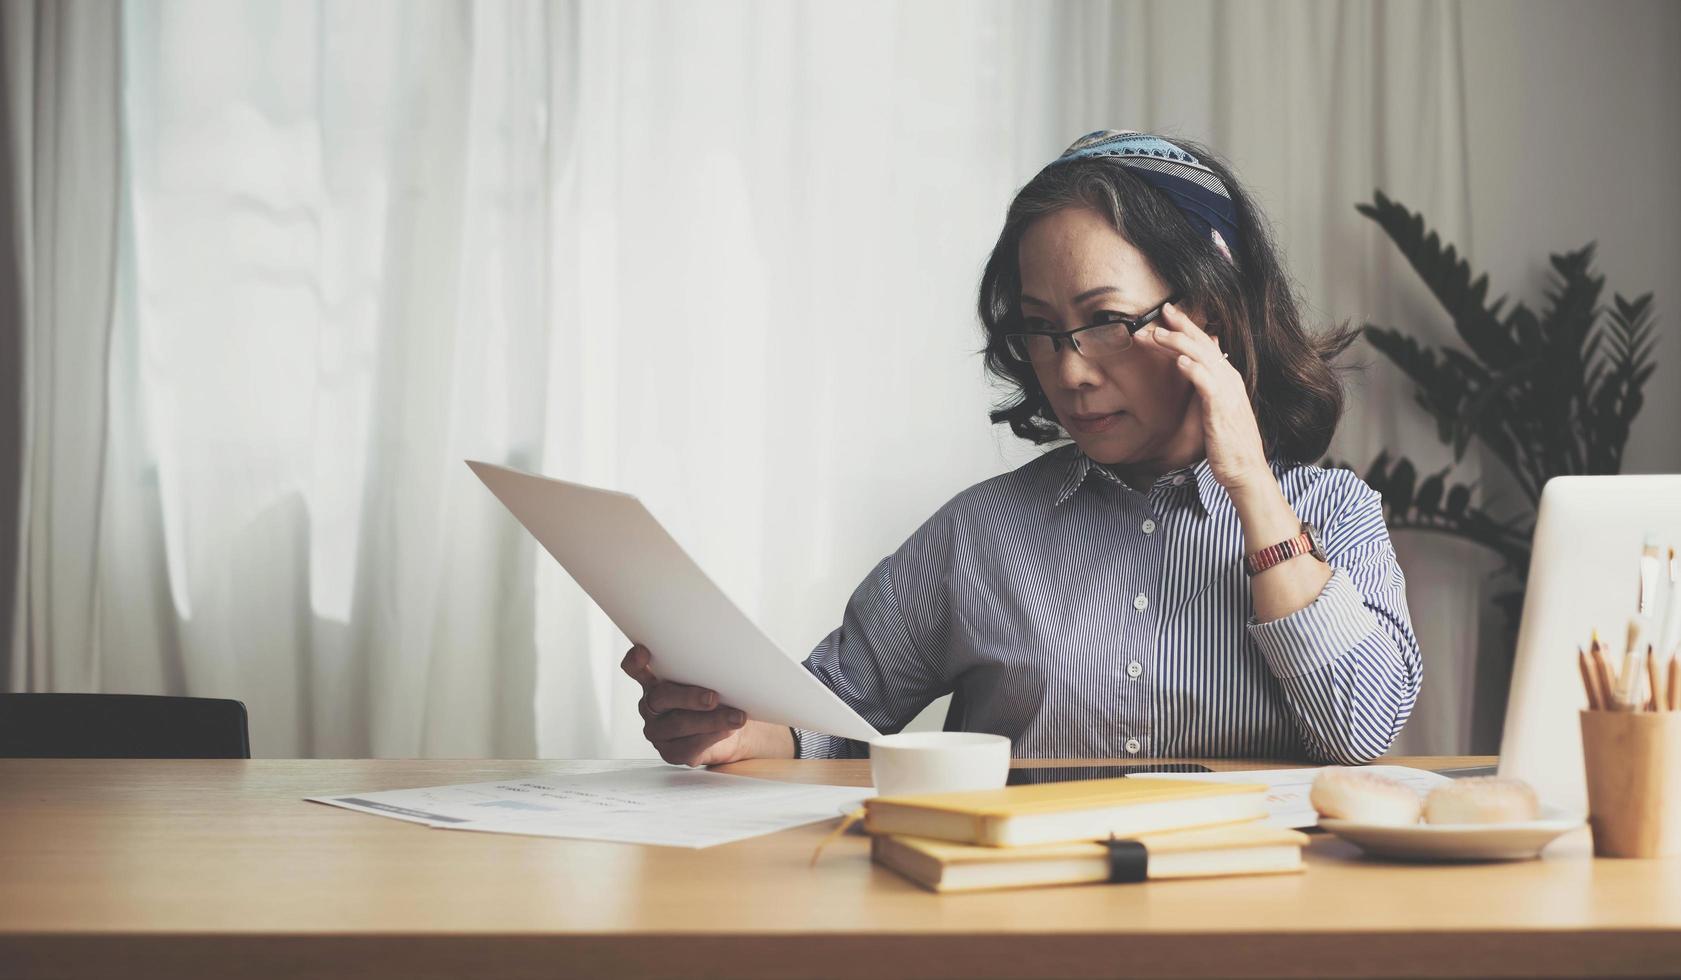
{"x":1132,"y":323}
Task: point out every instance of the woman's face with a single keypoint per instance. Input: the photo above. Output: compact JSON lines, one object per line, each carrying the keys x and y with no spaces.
{"x":1129,"y":408}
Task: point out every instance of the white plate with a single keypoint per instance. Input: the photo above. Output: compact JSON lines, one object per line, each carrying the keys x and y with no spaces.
{"x":1458,"y":841}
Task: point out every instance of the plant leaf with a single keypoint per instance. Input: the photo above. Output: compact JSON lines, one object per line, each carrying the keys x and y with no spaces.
{"x":1448,"y":277}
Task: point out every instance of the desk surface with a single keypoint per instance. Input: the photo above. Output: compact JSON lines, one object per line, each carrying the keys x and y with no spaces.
{"x":181,"y":867}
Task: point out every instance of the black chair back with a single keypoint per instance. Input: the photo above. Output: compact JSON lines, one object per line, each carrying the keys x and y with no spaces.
{"x":121,"y":726}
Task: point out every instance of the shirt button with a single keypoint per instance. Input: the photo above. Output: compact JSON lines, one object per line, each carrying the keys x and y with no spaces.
{"x":1149,"y":527}
{"x":1134,"y":669}
{"x":1140,"y":602}
{"x":1179,"y":480}
{"x":1133,"y":745}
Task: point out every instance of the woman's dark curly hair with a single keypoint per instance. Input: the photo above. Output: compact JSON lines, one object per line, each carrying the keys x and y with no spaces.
{"x":1295,"y":392}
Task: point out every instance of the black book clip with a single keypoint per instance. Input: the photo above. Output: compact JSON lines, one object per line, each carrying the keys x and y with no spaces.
{"x":1129,"y":861}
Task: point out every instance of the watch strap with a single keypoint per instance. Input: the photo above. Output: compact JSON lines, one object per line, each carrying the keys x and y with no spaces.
{"x":1283,"y":551}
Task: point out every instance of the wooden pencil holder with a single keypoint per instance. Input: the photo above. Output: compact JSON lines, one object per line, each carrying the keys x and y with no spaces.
{"x":1633,"y":765}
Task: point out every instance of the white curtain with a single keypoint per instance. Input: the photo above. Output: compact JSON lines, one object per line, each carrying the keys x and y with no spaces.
{"x":722,"y":255}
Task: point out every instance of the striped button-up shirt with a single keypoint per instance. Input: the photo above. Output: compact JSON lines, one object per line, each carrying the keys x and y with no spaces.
{"x":1083,"y":618}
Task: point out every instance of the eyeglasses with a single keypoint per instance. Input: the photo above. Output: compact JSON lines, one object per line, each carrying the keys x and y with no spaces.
{"x":1095,"y":342}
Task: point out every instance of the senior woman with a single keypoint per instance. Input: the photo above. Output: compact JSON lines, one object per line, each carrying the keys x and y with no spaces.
{"x":1181,"y":580}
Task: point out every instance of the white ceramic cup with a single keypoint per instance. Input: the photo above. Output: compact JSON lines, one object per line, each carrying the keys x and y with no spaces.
{"x":938,"y":762}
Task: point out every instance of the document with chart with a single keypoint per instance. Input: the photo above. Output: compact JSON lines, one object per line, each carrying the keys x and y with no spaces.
{"x":653,"y":804}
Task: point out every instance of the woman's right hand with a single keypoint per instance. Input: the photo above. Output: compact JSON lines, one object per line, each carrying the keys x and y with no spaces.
{"x":686,"y":724}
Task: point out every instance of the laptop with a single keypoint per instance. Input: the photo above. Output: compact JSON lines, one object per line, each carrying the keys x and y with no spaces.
{"x":1584,"y":574}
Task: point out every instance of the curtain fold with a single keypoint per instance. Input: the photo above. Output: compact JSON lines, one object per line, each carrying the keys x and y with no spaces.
{"x":722,"y":256}
{"x":336,"y":299}
{"x":62,"y":169}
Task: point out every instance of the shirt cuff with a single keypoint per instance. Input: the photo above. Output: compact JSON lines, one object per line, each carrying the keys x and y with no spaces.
{"x":816,"y":745}
{"x":1318,"y":633}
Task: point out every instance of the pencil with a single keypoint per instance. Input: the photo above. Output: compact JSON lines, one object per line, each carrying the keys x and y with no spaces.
{"x":1603,"y":672}
{"x":1674,"y":684}
{"x":1652,"y":679}
{"x":1594,"y":703}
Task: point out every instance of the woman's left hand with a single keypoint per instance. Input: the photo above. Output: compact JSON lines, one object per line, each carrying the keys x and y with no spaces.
{"x":1231,"y":437}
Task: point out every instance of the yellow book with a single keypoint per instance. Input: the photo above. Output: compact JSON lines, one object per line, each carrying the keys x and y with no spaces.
{"x":1249,"y":848}
{"x":1082,"y":810}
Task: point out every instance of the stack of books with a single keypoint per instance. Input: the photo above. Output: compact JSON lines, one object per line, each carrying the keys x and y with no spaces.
{"x":1100,"y":830}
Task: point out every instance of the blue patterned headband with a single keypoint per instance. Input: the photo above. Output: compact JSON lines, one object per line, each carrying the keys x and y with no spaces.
{"x":1194,"y":189}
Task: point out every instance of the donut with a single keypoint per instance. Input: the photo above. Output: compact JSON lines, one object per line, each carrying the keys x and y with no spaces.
{"x":1366,"y":797}
{"x":1482,"y":799}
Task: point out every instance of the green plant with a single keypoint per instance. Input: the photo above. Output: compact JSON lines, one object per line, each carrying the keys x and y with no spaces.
{"x":1547,"y":393}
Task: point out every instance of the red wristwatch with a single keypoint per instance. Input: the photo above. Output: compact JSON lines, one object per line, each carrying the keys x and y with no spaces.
{"x":1305,"y":543}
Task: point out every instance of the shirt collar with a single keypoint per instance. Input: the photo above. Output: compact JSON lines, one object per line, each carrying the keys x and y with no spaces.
{"x":1208,"y":492}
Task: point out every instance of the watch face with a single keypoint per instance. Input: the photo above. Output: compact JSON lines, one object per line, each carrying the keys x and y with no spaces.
{"x":1318,"y":549}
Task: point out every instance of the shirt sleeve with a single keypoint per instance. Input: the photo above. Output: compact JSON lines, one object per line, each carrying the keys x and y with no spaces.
{"x":882,"y":661}
{"x":1349,"y":662}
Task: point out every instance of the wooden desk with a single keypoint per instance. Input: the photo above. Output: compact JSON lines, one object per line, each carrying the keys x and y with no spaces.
{"x":215,"y":868}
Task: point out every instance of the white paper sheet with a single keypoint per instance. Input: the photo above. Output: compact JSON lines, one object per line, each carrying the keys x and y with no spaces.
{"x":465,"y":802}
{"x":659,"y":597}
{"x":1288,"y":789}
{"x":660,"y":805}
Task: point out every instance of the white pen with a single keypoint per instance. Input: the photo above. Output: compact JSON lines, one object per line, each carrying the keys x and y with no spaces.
{"x":1648,"y":575}
{"x":1670,"y":638}
{"x":1629,"y":679}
